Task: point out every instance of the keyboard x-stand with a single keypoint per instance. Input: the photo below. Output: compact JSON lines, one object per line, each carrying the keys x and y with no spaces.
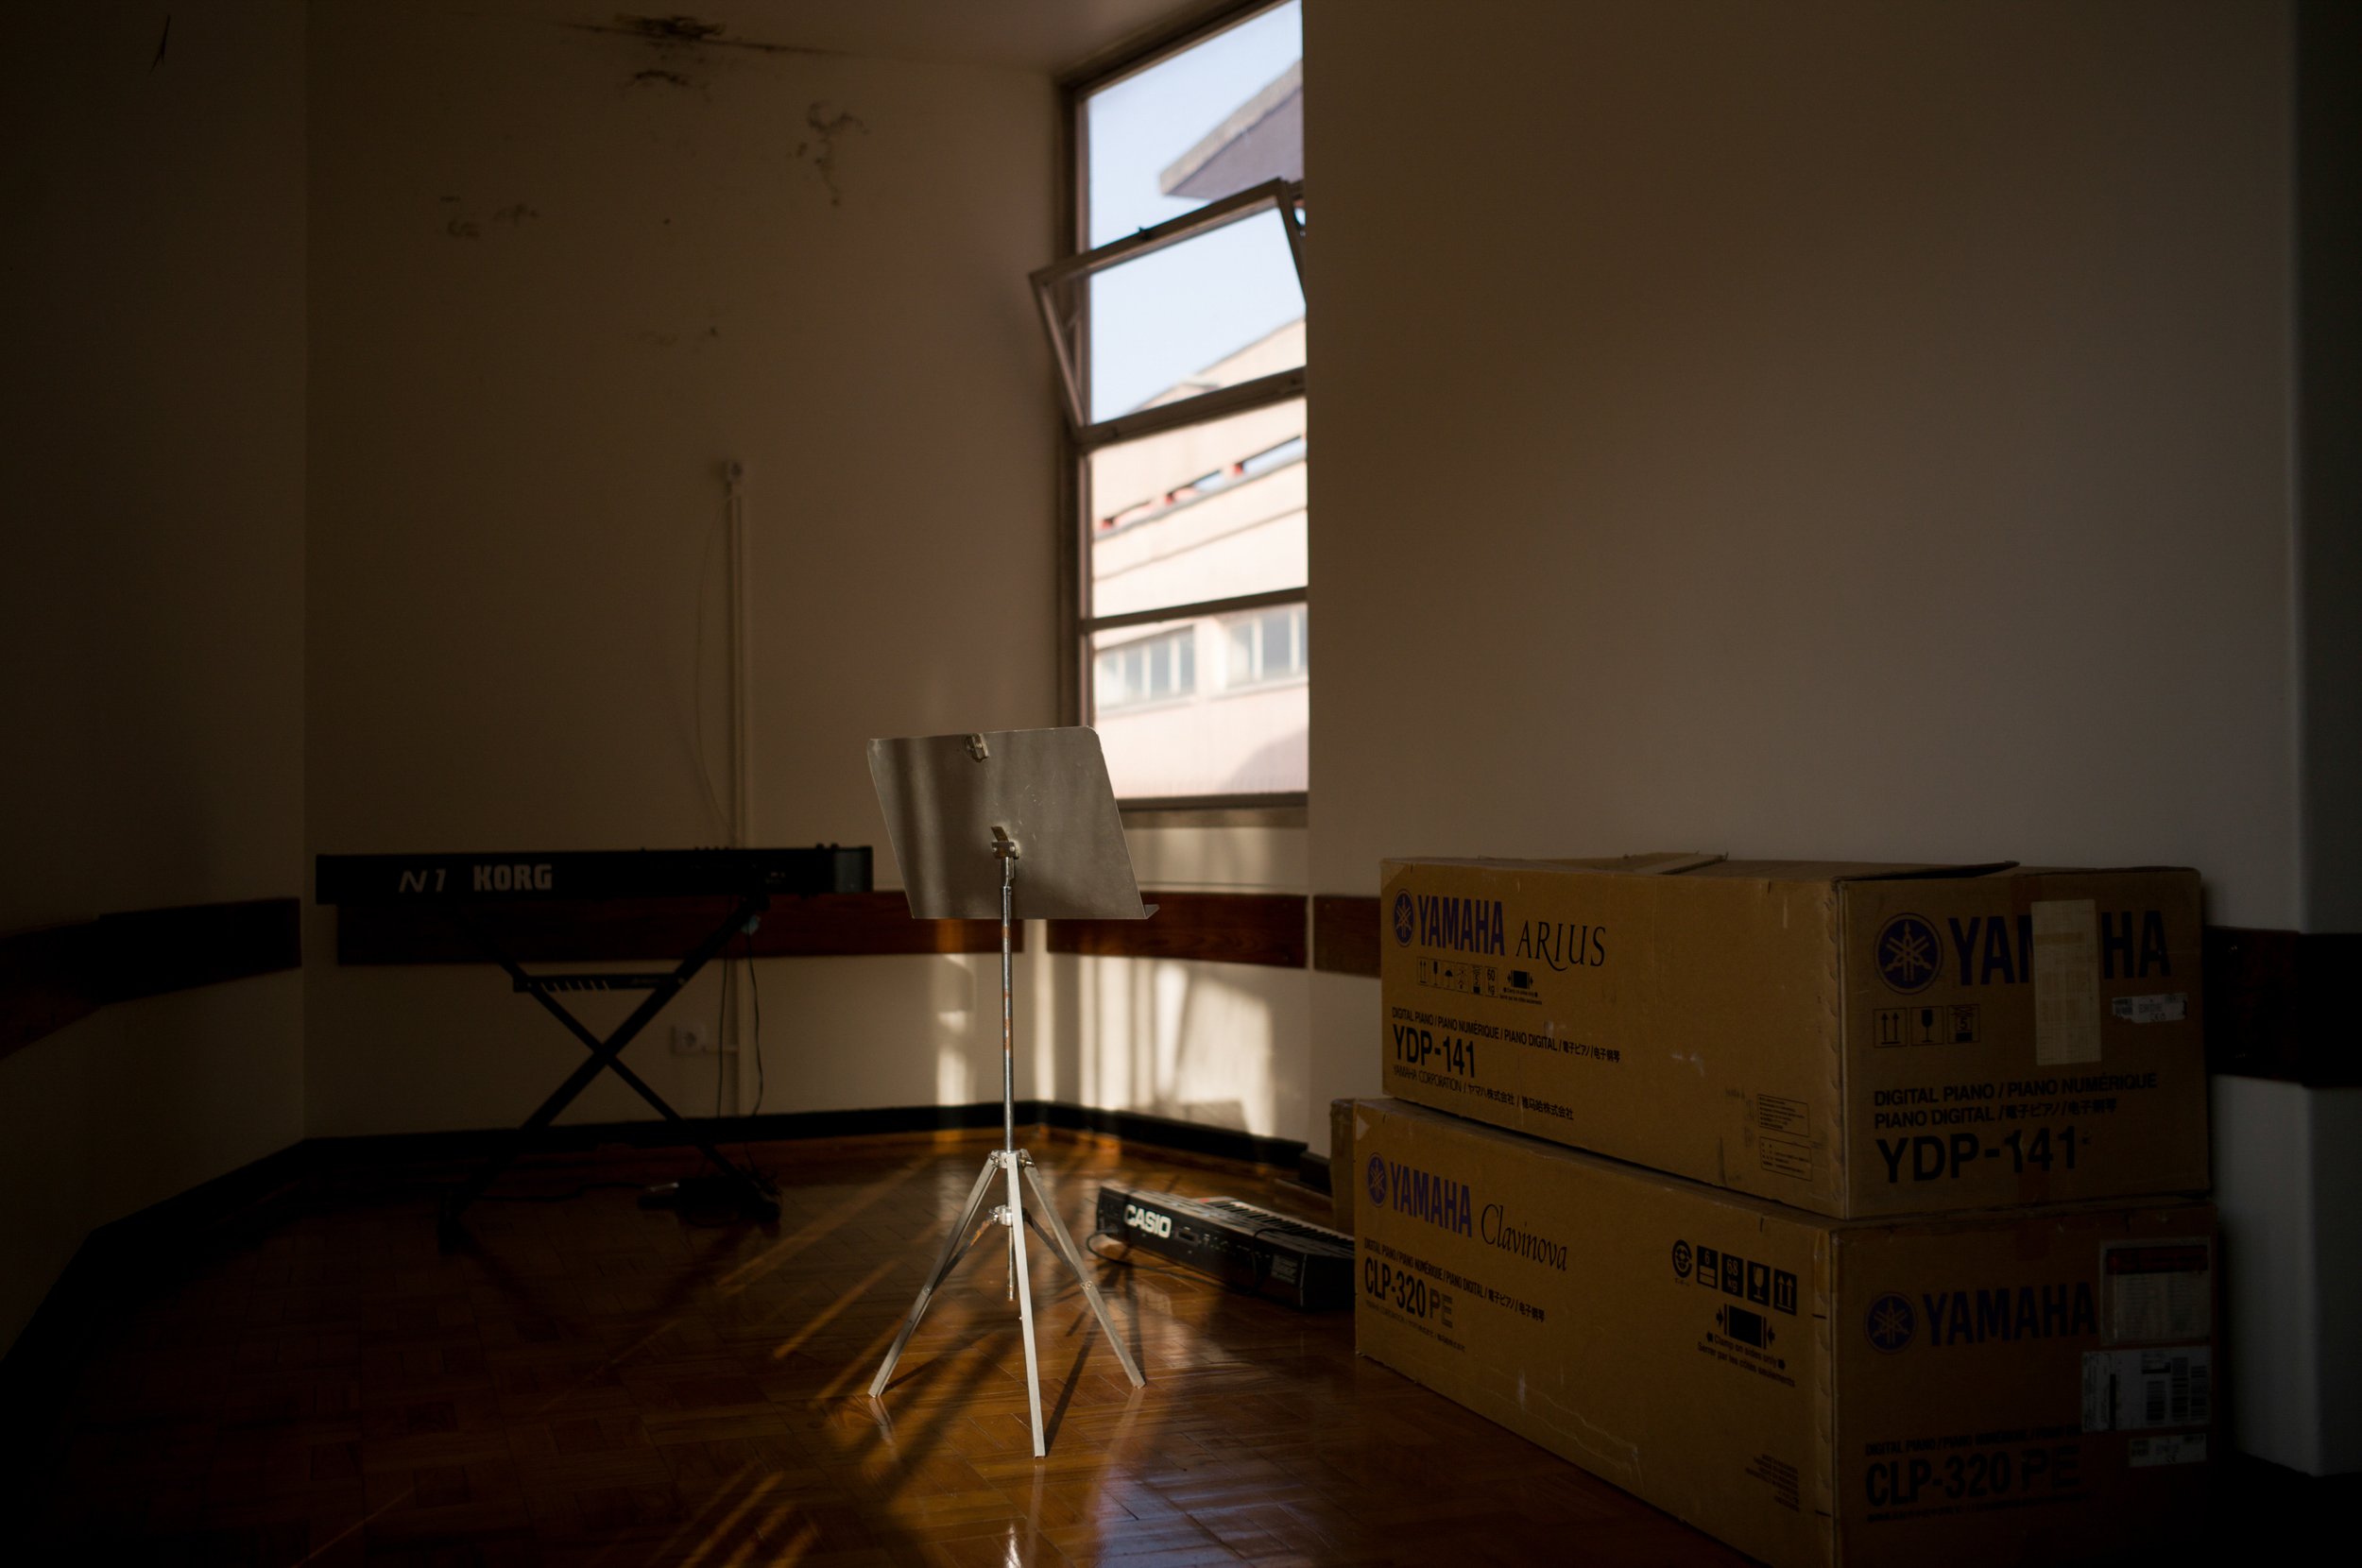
{"x":459,"y":887}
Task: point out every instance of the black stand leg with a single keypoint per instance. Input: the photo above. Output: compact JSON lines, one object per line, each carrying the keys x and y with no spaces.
{"x":604,"y":1057}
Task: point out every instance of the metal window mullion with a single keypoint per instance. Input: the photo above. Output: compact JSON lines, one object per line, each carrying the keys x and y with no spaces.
{"x":1189,"y":225}
{"x":1093,"y":625}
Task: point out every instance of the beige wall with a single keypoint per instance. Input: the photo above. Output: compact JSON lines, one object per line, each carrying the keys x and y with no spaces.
{"x":552,"y":294}
{"x":1220,"y":1043}
{"x":1860,"y":430}
{"x":151,"y":614}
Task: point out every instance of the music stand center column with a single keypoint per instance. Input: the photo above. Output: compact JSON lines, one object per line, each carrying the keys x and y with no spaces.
{"x":965,"y":812}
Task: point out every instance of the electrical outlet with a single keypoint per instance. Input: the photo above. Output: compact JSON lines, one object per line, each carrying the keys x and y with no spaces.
{"x":688,"y":1039}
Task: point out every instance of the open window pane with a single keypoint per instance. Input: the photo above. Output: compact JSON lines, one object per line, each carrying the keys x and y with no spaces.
{"x":1218,"y":738}
{"x":1198,"y":126}
{"x":1208,"y":511}
{"x":1208,"y":313}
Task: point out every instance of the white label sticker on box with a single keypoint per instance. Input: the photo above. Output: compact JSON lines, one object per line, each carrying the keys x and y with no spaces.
{"x":2157,"y":1290}
{"x":2132,"y":1391}
{"x":2177,"y":1448}
{"x":2066,"y":980}
{"x":2166,"y":1007}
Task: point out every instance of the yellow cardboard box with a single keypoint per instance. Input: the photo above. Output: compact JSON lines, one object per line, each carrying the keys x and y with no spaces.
{"x":2031,"y":1386}
{"x":1851,"y":1039}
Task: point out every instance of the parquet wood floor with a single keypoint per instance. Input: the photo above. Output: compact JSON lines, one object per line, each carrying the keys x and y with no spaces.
{"x":592,"y":1383}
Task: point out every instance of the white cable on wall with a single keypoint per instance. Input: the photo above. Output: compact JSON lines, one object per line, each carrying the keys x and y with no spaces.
{"x":741,"y":750}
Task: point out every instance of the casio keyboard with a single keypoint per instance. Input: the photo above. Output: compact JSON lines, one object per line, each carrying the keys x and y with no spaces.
{"x":456,"y":885}
{"x":1246,"y":1248}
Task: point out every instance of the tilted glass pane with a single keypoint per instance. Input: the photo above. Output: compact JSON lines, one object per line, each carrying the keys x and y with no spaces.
{"x":1213,"y":738}
{"x":1212,"y":311}
{"x":1208,"y":511}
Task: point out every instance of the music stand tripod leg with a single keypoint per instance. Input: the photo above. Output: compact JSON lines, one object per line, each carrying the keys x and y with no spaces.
{"x":1014,"y":1219}
{"x":953,"y":1245}
{"x":1064,"y":1239}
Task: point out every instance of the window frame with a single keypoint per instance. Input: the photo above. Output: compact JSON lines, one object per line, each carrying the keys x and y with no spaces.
{"x":1081,"y":437}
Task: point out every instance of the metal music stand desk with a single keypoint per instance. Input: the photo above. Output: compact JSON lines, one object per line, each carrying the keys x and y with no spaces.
{"x":965,"y":812}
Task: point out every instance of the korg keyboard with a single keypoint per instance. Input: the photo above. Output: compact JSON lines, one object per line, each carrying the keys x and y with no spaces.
{"x":1246,"y":1248}
{"x":592,"y":873}
{"x":462,"y":891}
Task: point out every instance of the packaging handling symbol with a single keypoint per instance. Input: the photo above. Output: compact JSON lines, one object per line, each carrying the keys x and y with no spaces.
{"x":1681,"y":1259}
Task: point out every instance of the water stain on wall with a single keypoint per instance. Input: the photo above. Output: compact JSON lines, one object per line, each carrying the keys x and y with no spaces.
{"x":828,"y":127}
{"x":680,"y":32}
{"x":461,"y":226}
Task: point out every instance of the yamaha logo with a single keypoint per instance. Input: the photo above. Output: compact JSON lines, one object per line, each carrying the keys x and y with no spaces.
{"x":1148,"y":1219}
{"x":1890,"y":1323}
{"x":1378,"y":1181}
{"x":1681,"y":1260}
{"x":1405,"y":922}
{"x":1907,"y":954}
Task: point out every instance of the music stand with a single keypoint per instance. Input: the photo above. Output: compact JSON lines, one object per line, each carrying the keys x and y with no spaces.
{"x":963,"y":811}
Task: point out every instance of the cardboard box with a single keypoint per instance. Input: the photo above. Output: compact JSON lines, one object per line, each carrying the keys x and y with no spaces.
{"x":1341,"y":1164}
{"x":1852,"y":1039}
{"x":2013,"y":1387}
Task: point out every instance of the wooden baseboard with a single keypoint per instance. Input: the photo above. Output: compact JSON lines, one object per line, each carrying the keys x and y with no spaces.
{"x":1133,"y":1127}
{"x":120,"y":1263}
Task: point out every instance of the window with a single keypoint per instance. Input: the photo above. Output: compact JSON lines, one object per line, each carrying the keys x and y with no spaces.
{"x":1152,"y":670}
{"x":1265,"y":647}
{"x":1178,"y":326}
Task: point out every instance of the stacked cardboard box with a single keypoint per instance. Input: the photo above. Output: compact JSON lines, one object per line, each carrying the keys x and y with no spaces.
{"x":1894,"y":1254}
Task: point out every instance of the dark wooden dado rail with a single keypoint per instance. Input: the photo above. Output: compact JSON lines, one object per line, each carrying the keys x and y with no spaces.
{"x":52,"y":977}
{"x":2275,"y":1000}
{"x":2279,"y":1004}
{"x":1344,"y":934}
{"x":1217,"y":928}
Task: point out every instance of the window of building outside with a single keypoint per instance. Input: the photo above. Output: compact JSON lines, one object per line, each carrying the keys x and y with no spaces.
{"x":1183,"y":351}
